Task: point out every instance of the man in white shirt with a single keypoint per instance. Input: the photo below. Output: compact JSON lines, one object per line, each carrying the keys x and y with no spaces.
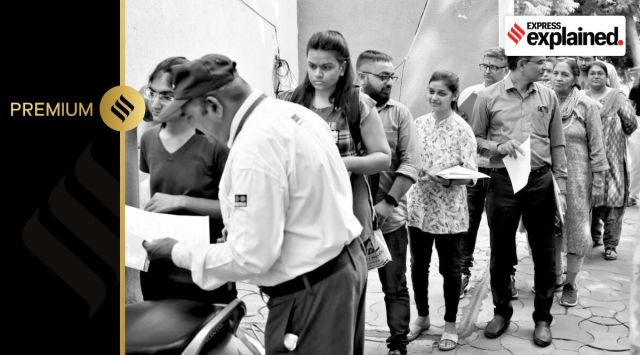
{"x":286,"y":202}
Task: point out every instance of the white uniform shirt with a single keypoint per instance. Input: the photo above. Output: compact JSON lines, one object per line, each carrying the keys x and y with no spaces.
{"x":285,"y":197}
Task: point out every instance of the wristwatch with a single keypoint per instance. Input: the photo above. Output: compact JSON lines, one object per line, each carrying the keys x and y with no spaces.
{"x":391,"y":200}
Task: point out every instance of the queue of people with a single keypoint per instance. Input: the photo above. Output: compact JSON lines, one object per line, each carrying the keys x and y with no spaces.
{"x":302,"y":181}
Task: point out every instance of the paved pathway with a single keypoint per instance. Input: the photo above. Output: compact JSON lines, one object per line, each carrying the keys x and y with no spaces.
{"x":599,"y":324}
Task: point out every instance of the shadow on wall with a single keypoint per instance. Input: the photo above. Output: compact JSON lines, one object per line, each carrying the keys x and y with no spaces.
{"x":452,"y":36}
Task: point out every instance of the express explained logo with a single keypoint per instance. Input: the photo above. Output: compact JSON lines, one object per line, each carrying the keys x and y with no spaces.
{"x":565,"y":35}
{"x":516,"y":33}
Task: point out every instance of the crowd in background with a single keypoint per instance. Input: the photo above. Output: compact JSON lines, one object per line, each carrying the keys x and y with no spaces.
{"x":575,"y":113}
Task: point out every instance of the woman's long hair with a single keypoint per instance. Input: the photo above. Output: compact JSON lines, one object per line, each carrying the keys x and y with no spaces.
{"x":334,"y":42}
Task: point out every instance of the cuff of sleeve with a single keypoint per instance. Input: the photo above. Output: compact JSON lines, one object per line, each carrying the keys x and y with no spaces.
{"x":493,"y":148}
{"x":408,"y":171}
{"x":181,"y":256}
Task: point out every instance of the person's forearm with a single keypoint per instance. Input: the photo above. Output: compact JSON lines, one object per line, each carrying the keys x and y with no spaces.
{"x":559,"y":166}
{"x":372,"y":163}
{"x":486,"y":147}
{"x":201,"y":206}
{"x":400,"y":186}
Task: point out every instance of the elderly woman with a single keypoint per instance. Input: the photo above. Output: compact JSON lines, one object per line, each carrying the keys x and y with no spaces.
{"x":584,"y":148}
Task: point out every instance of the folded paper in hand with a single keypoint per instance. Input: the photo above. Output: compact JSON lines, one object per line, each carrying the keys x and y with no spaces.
{"x":459,"y":172}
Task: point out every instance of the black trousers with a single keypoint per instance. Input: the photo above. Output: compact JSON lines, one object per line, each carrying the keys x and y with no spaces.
{"x":394,"y":286}
{"x":448,"y":247}
{"x":327,"y":317}
{"x":476,"y":196}
{"x":536,"y":203}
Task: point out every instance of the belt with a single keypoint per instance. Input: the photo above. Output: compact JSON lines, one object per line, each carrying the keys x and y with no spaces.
{"x":533,"y":174}
{"x":314,"y":276}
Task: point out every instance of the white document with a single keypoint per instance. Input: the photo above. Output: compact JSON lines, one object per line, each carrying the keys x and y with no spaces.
{"x":135,"y":256}
{"x":142,"y":225}
{"x":520,"y":167}
{"x":459,"y":172}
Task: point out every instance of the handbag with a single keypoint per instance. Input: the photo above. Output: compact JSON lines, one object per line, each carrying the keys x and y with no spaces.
{"x":375,"y":246}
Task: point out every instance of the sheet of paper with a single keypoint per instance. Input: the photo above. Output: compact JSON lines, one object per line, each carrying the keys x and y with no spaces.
{"x":459,"y":172}
{"x":142,"y":225}
{"x":150,"y":226}
{"x":520,"y":167}
{"x":135,"y":256}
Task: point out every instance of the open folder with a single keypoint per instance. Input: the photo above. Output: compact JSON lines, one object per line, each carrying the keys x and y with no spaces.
{"x":459,"y":172}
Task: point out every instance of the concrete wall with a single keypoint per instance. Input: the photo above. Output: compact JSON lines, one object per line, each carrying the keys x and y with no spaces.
{"x":386,"y":25}
{"x":157,"y":29}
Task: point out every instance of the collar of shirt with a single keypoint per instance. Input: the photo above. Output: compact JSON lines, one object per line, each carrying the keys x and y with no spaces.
{"x":508,"y":85}
{"x":241,"y":111}
{"x":389,"y":103}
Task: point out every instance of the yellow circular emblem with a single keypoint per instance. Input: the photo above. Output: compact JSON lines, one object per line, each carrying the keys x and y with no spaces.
{"x":122,"y":108}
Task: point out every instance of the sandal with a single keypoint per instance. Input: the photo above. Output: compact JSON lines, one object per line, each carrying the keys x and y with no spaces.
{"x":418,"y":326}
{"x":449,"y":341}
{"x":610,"y":254}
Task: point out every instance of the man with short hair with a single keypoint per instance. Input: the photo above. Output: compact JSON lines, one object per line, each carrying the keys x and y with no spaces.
{"x":494,"y":69}
{"x":286,"y":203}
{"x":376,"y":77}
{"x":505,"y":116}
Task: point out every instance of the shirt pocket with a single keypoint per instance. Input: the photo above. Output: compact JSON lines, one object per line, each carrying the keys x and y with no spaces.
{"x":539,"y":123}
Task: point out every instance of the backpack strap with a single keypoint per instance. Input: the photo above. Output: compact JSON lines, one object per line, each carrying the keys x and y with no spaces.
{"x":353,"y":120}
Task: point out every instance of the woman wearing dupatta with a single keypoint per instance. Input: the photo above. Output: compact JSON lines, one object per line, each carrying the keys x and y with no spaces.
{"x":618,"y":122}
{"x":582,"y":129}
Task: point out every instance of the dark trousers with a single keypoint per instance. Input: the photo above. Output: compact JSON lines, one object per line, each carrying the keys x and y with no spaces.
{"x":394,"y":286}
{"x":448,"y":247}
{"x":536,"y":204}
{"x":476,"y":196}
{"x":328,"y":316}
{"x":611,"y":219}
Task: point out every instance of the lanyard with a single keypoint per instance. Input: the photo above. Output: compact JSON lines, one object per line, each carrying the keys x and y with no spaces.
{"x":247,"y":113}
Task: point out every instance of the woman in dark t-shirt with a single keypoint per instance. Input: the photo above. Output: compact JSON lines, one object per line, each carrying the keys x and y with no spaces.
{"x":184,"y":168}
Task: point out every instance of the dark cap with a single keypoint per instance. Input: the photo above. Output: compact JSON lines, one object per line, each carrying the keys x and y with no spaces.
{"x":198,"y":77}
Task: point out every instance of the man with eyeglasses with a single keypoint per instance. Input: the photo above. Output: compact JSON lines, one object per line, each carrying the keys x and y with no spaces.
{"x":549,"y":63}
{"x":494,"y":69}
{"x":506,"y":115}
{"x":376,"y":77}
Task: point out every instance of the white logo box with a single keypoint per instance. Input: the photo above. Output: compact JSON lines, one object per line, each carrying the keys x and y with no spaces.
{"x":565,"y":35}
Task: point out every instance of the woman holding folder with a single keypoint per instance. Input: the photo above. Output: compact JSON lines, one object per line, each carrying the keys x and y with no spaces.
{"x":438,"y":206}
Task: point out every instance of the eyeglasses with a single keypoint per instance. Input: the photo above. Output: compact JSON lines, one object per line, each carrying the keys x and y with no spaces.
{"x":491,"y":67}
{"x":151,"y":95}
{"x":383,"y":77}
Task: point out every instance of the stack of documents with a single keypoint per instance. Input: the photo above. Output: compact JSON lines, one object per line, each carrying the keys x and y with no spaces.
{"x":458,"y":172}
